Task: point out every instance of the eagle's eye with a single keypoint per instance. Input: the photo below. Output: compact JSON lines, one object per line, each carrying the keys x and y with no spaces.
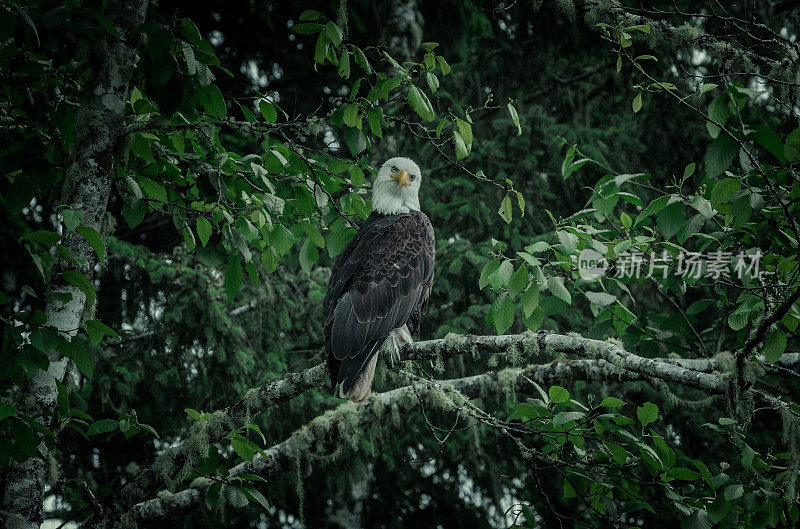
{"x":412,"y":177}
{"x":394,"y":168}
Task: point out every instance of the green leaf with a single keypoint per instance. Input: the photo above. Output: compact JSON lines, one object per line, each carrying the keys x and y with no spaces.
{"x":344,"y":65}
{"x":6,"y":410}
{"x":501,"y":314}
{"x":612,"y":402}
{"x":564,"y":417}
{"x":236,"y":497}
{"x":269,"y":260}
{"x":42,"y":236}
{"x":534,"y":321}
{"x":519,"y":281}
{"x":321,"y":49}
{"x":213,"y":494}
{"x":233,"y":277}
{"x":307,"y":29}
{"x":737,"y":320}
{"x":82,"y":282}
{"x":460,"y":146}
{"x":102,"y":426}
{"x":465,"y":130}
{"x":567,"y":162}
{"x":309,"y":14}
{"x":683,"y":473}
{"x":78,"y":351}
{"x":433,"y":81}
{"x":268,"y":111}
{"x":355,"y":139}
{"x":733,"y":492}
{"x":647,"y":413}
{"x":255,"y":495}
{"x":600,"y":299}
{"x":705,"y":87}
{"x":723,"y":191}
{"x":637,"y":103}
{"x":361,"y":59}
{"x":748,"y":454}
{"x":72,"y":218}
{"x":769,"y":139}
{"x":308,"y":255}
{"x":703,"y":206}
{"x":420,"y":103}
{"x":350,"y":115}
{"x":568,"y":240}
{"x":720,"y":155}
{"x":443,"y":65}
{"x":775,"y":346}
{"x":374,"y":116}
{"x":502,"y":275}
{"x":97,"y":330}
{"x":530,"y":300}
{"x":243,"y":447}
{"x":94,"y":240}
{"x":44,"y":339}
{"x":618,"y":453}
{"x":506,"y":209}
{"x":334,"y":33}
{"x":488,"y":270}
{"x":556,"y":286}
{"x":313,"y":234}
{"x":558,"y":395}
{"x":134,"y":213}
{"x":671,"y":218}
{"x":212,"y":101}
{"x":525,"y":412}
{"x":699,"y":306}
{"x":515,"y":118}
{"x":521,"y":204}
{"x":653,"y":208}
{"x":203,"y":227}
{"x":792,"y":148}
{"x":625,"y":219}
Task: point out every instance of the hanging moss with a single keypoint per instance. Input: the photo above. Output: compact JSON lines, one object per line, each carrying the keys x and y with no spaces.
{"x":567,"y":7}
{"x":300,"y":490}
{"x":791,"y":438}
{"x":680,"y":402}
{"x":530,"y":345}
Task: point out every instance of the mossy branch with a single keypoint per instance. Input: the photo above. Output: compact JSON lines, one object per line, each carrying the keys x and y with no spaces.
{"x":597,"y":361}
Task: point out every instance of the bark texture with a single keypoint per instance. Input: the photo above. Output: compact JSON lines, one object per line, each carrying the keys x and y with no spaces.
{"x":87,"y":186}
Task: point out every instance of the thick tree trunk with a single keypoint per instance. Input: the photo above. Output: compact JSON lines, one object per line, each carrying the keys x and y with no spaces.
{"x":87,"y":185}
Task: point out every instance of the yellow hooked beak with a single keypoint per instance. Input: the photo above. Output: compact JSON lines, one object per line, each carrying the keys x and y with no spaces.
{"x":401,"y":178}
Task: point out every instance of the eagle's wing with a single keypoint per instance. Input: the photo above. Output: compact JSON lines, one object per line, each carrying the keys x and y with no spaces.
{"x":380,"y":281}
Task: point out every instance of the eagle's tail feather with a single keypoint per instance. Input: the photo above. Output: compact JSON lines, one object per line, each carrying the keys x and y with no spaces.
{"x":363,"y":385}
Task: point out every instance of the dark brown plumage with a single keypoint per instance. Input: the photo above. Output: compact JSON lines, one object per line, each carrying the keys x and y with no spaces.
{"x":380,"y":282}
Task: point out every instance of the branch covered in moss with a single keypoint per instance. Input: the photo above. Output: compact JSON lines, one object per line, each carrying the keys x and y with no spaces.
{"x":337,"y":431}
{"x":662,"y":32}
{"x":598,"y":361}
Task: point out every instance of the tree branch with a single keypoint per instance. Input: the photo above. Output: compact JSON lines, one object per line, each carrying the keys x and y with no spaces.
{"x":599,"y":361}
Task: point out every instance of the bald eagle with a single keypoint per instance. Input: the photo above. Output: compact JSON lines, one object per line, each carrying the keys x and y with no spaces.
{"x":380,"y":282}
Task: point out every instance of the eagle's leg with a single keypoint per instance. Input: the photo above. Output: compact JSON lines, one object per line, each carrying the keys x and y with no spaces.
{"x":399,"y":338}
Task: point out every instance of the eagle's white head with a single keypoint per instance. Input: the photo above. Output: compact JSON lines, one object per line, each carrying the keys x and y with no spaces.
{"x":396,"y":188}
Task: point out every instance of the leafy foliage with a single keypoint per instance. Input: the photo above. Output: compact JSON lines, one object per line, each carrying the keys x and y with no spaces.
{"x":240,"y":170}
